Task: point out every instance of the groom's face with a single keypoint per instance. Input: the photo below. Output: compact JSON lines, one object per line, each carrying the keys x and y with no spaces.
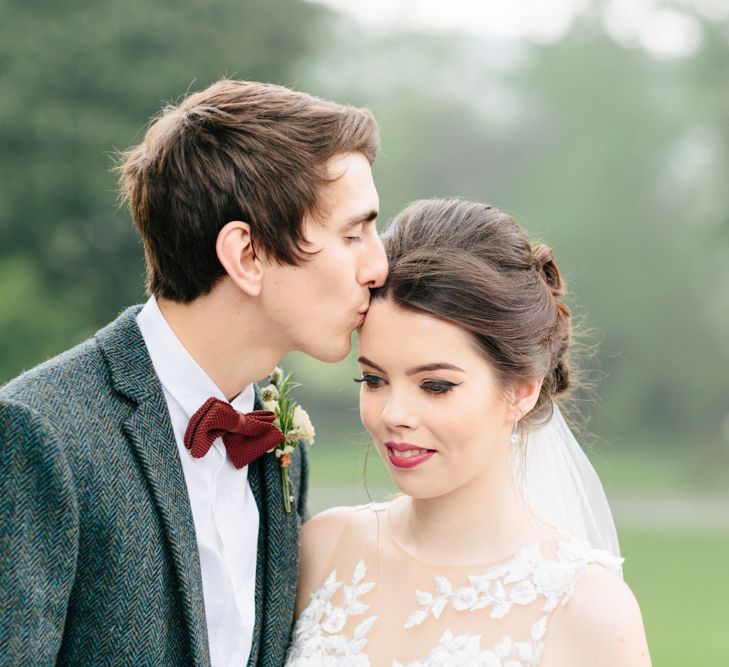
{"x":315,"y":307}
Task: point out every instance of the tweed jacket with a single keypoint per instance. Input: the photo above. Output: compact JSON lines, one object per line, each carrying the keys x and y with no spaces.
{"x":98,"y":557}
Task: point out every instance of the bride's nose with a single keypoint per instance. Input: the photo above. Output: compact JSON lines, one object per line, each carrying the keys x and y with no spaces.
{"x":397,"y":411}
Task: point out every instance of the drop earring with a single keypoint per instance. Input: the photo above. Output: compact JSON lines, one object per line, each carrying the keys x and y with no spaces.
{"x":514,"y":437}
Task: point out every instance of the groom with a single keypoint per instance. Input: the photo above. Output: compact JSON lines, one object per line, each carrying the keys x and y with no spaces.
{"x":257,"y":211}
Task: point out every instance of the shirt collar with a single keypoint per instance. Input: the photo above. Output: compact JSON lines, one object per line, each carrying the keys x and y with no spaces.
{"x":178,"y":372}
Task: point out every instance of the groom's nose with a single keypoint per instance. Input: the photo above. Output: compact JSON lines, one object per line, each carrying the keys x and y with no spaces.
{"x":373,"y":271}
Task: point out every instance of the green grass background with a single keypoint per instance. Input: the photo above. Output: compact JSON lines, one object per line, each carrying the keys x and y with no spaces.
{"x":681,"y":583}
{"x":679,"y":573}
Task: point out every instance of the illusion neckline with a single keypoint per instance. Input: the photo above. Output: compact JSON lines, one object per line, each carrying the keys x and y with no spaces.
{"x":482,"y":566}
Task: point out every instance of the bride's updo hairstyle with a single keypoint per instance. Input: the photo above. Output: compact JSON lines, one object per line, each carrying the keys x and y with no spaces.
{"x":470,"y":264}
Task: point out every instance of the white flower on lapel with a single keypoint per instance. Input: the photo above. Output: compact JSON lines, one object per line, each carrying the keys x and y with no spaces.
{"x":303,"y":425}
{"x":293,"y":421}
{"x":269,"y":394}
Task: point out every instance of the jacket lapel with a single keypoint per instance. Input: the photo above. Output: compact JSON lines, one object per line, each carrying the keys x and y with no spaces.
{"x":150,"y":434}
{"x":277,"y":563}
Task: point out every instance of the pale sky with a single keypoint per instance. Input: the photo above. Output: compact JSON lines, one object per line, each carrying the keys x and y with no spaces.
{"x":662,"y":30}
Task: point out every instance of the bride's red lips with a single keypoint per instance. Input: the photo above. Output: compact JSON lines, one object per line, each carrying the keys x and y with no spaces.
{"x":405,"y":446}
{"x":421,"y":455}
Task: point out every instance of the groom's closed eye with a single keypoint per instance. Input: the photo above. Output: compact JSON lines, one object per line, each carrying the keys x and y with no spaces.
{"x":358,"y":221}
{"x":354,"y":234}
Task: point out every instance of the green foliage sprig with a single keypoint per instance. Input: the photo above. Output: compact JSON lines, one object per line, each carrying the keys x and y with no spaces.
{"x":293,"y":421}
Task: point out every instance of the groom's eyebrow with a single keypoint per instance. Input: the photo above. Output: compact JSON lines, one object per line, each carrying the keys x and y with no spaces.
{"x":359,"y":219}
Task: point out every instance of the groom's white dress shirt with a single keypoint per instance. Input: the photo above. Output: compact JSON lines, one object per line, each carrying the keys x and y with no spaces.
{"x":223,"y":507}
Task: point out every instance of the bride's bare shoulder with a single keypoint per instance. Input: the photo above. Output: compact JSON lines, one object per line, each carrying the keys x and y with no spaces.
{"x":600,"y":624}
{"x":321,"y":536}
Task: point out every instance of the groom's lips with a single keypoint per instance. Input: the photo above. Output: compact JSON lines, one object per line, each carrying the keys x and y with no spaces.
{"x":405,"y":455}
{"x":361,"y":316}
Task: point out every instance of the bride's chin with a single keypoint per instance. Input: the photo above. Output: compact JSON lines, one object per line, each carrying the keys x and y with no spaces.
{"x":412,"y":488}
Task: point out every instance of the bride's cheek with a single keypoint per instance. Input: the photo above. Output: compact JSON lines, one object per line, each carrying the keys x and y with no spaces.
{"x":368,"y":412}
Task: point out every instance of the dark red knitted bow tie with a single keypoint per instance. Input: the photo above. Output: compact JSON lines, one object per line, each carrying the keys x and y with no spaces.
{"x":245,"y":436}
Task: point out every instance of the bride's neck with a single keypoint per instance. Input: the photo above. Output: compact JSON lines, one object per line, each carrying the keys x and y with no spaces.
{"x":482,"y":522}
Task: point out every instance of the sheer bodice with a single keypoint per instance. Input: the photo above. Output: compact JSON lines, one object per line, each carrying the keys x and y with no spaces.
{"x":382,"y":606}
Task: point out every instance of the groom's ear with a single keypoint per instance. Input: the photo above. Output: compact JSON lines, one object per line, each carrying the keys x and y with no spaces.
{"x":235,"y":251}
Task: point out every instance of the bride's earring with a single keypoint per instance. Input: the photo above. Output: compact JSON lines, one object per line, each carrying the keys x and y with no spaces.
{"x":514,"y":439}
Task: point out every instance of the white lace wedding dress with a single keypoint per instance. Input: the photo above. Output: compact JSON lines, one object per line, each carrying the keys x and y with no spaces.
{"x":381,"y":606}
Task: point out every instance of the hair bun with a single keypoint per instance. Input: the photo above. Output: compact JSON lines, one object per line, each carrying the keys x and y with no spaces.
{"x":561,"y":376}
{"x":544,"y":263}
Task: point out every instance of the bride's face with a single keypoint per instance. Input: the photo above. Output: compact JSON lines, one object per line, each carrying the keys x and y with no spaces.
{"x":430,"y":401}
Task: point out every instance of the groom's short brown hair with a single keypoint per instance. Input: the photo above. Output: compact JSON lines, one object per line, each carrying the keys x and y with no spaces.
{"x":238,"y":150}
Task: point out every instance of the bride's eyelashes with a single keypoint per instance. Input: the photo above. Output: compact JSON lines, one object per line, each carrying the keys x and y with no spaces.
{"x":438,"y":388}
{"x":370,"y":381}
{"x":434,"y":388}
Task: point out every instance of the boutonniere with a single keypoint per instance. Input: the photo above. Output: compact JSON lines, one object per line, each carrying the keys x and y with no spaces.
{"x":293,"y":421}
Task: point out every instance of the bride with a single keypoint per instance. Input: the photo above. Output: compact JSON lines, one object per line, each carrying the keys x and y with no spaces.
{"x":501,"y":550}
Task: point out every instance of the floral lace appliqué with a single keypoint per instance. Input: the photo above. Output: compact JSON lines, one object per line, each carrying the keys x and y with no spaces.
{"x":317,"y":639}
{"x":526,"y":578}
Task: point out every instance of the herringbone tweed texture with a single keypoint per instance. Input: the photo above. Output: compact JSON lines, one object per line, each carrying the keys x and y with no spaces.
{"x":98,"y":559}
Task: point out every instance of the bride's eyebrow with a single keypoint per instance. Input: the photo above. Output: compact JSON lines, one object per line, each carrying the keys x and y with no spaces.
{"x":439,"y":366}
{"x":367,"y":362}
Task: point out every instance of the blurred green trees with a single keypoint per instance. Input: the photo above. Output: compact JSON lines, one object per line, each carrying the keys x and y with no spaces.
{"x":77,"y":81}
{"x":617,"y":159}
